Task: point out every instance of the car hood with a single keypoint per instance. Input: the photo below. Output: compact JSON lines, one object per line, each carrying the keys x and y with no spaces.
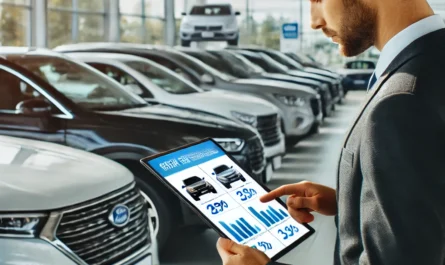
{"x":226,"y":173}
{"x":199,"y":184}
{"x":209,"y":20}
{"x":289,"y":78}
{"x":311,"y":76}
{"x":273,"y":86}
{"x":321,"y":72}
{"x":40,"y":176}
{"x":222,"y":103}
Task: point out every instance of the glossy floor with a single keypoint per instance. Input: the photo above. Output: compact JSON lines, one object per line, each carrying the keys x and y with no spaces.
{"x":314,"y":159}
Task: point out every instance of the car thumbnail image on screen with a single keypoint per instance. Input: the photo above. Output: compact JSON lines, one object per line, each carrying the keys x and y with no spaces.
{"x":227,"y":175}
{"x":196,"y":187}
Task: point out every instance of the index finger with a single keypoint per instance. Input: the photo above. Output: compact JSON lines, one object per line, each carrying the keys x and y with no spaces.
{"x":290,"y":189}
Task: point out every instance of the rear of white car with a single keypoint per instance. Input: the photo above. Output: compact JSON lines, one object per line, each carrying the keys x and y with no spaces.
{"x":59,"y":205}
{"x":210,"y":23}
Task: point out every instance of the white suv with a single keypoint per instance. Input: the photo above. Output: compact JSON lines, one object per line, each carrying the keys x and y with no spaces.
{"x":210,"y":23}
{"x":59,"y":205}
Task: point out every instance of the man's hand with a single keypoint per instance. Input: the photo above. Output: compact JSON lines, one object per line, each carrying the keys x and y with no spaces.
{"x":234,"y":254}
{"x":306,"y":197}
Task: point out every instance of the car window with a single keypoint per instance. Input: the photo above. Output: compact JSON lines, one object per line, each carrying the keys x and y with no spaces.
{"x":191,"y":181}
{"x":80,"y":83}
{"x":213,"y":10}
{"x":220,"y":169}
{"x":283,"y":59}
{"x":123,"y":78}
{"x":13,"y":90}
{"x":237,"y":67}
{"x":168,"y":81}
{"x":174,"y":67}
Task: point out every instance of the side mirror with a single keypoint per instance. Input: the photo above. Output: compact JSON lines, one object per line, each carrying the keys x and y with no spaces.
{"x":34,"y":107}
{"x":207,"y":79}
{"x":231,"y":167}
{"x":134,"y":88}
{"x":237,"y":13}
{"x":203,"y":178}
{"x":184,"y":14}
{"x":183,"y":186}
{"x":213,"y":173}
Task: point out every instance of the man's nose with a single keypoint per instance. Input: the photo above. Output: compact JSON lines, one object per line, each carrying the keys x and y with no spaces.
{"x":317,"y":20}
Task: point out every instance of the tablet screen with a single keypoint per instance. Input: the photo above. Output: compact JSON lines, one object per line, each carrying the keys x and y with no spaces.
{"x":228,"y":197}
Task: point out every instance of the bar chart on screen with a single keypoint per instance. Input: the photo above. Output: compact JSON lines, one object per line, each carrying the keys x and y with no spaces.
{"x":241,"y":229}
{"x":269,"y":216}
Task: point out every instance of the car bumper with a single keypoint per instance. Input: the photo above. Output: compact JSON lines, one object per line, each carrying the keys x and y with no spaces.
{"x":276,"y":150}
{"x":218,"y":35}
{"x":39,"y":252}
{"x":298,"y":122}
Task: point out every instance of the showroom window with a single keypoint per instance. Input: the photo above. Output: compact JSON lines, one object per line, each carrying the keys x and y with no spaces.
{"x":142,"y":21}
{"x":71,"y":21}
{"x":15,"y":22}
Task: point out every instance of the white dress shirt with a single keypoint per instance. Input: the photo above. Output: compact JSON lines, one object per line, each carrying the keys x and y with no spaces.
{"x":403,"y":39}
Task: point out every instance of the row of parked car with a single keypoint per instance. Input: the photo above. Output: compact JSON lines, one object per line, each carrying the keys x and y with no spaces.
{"x":124,"y":102}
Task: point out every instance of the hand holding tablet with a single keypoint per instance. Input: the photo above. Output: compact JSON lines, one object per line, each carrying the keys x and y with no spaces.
{"x":227,"y":198}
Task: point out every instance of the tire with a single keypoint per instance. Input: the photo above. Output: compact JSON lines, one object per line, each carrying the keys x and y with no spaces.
{"x":213,"y":190}
{"x":243,"y":179}
{"x":292,"y":141}
{"x":233,"y":42}
{"x":161,"y":212}
{"x":185,"y":43}
{"x":196,"y":198}
{"x":228,"y":186}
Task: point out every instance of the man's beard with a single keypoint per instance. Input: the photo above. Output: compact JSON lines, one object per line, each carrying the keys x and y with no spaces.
{"x":358,"y":28}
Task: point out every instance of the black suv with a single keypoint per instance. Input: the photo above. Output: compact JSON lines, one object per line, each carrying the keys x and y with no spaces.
{"x":197,"y":187}
{"x":46,"y":96}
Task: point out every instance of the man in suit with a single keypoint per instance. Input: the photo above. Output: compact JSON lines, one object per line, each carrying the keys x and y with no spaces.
{"x":390,"y":198}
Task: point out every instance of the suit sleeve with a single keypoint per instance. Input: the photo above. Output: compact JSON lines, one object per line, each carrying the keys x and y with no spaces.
{"x":402,"y":158}
{"x":275,"y":263}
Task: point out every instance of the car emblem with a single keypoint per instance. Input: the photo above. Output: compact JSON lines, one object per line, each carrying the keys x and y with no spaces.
{"x":119,"y":216}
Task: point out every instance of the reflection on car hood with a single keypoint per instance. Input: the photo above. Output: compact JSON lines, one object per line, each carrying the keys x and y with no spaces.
{"x":197,"y":185}
{"x":37,"y":176}
{"x":312,"y":76}
{"x":273,"y":86}
{"x":227,"y":172}
{"x":180,"y":115}
{"x":222,"y":102}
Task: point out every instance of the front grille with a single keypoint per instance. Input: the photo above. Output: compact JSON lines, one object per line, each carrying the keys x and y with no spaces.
{"x":256,"y":155}
{"x":315,"y":106}
{"x":92,"y":237}
{"x":208,"y":28}
{"x":269,"y":129}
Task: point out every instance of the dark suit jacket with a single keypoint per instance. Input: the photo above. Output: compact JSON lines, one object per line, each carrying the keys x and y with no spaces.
{"x":391,"y":177}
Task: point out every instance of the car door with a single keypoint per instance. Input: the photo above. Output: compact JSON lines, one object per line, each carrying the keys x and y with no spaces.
{"x":43,"y":122}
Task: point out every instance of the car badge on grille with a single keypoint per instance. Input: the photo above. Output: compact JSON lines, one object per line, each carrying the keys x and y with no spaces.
{"x":119,"y":216}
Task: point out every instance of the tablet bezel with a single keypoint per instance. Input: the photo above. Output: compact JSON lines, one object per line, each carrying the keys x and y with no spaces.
{"x":144,"y":162}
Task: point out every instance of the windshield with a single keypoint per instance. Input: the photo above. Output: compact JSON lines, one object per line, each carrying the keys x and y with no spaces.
{"x":264,"y":64}
{"x":220,"y":65}
{"x":221,"y":169}
{"x":211,"y":10}
{"x":168,"y":80}
{"x":275,"y":64}
{"x":81,"y":84}
{"x":200,"y":67}
{"x":238,"y":67}
{"x":283,"y":59}
{"x":191,"y":181}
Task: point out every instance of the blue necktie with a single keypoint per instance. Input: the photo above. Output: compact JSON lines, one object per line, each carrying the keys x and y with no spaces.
{"x":372,"y":81}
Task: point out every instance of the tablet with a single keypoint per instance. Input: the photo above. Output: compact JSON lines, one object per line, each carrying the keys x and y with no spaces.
{"x":213,"y":184}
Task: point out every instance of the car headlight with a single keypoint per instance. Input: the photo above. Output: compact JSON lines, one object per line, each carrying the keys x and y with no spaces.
{"x":246,"y":118}
{"x":230,"y":145}
{"x":232,"y":25}
{"x":187,"y":25}
{"x":191,"y":189}
{"x":291,"y":100}
{"x":325,"y":87}
{"x":21,"y":225}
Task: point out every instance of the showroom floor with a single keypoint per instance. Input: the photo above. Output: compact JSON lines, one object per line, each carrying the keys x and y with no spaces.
{"x":314,"y":159}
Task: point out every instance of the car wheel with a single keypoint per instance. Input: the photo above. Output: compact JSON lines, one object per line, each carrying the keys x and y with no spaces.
{"x":243,"y":179}
{"x":160,"y":215}
{"x":185,"y":43}
{"x":213,"y":190}
{"x":228,"y":186}
{"x":292,"y":141}
{"x":233,"y":42}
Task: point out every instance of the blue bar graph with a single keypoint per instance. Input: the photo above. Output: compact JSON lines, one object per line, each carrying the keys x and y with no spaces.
{"x":241,"y":229}
{"x":269,"y":216}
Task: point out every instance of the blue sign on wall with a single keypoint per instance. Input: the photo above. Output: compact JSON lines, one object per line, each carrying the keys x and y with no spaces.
{"x":290,"y":30}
